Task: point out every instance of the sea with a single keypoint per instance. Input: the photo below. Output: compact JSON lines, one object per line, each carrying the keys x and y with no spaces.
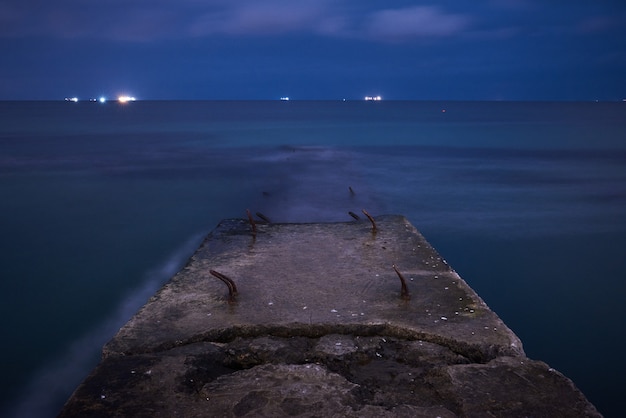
{"x":101,"y":203}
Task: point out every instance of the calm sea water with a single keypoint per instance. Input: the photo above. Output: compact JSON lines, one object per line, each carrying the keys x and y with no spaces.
{"x":102,"y":203}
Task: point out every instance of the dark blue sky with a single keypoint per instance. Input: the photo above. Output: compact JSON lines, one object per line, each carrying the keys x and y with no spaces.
{"x":314,"y":49}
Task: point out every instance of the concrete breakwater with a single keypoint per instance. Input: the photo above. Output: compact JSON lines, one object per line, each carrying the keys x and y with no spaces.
{"x":352,"y":319}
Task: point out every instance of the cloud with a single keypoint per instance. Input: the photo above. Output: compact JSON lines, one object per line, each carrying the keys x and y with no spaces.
{"x":323,"y":18}
{"x":266,"y":18}
{"x":276,"y":17}
{"x":415,"y":22}
{"x":154,"y":20}
{"x":598,"y":24}
{"x":71,"y":19}
{"x":512,"y":4}
{"x":141,"y":21}
{"x":11,"y":18}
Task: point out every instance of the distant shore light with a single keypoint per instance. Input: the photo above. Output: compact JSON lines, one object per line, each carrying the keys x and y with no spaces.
{"x":284,"y":98}
{"x":373,"y":98}
{"x":71,"y":99}
{"x":102,"y":99}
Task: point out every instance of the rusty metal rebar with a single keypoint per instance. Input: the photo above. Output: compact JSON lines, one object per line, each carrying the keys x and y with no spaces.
{"x":371,"y":219}
{"x":232,"y":288}
{"x":263,"y":217}
{"x":404,"y":292}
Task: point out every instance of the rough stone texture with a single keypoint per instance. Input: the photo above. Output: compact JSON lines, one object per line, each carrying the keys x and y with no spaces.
{"x":319,"y":328}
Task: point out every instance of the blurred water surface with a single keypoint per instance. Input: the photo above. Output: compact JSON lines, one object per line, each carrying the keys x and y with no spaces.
{"x":102,"y":203}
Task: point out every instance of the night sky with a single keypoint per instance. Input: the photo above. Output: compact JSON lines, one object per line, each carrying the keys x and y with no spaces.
{"x":314,"y":49}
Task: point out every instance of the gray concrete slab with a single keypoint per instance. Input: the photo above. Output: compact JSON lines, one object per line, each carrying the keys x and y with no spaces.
{"x":319,"y":314}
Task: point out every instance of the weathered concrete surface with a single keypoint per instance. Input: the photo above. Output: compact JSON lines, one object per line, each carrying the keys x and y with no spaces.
{"x":319,"y":328}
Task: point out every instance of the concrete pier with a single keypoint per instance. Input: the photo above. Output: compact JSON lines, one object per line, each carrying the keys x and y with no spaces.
{"x":314,"y":320}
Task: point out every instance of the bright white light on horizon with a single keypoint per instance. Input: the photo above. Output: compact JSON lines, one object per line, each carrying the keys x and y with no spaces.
{"x":71,"y":99}
{"x":373,"y":98}
{"x":102,"y":99}
{"x":124,"y":99}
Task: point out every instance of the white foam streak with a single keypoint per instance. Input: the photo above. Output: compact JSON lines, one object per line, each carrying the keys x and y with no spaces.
{"x":51,"y":387}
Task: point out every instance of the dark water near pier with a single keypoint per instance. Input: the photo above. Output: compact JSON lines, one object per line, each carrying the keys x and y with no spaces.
{"x":102,"y":203}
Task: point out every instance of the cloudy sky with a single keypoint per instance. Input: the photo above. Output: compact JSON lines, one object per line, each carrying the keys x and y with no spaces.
{"x":314,"y":49}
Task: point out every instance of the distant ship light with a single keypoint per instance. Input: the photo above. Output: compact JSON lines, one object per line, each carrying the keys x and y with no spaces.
{"x":124,"y":99}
